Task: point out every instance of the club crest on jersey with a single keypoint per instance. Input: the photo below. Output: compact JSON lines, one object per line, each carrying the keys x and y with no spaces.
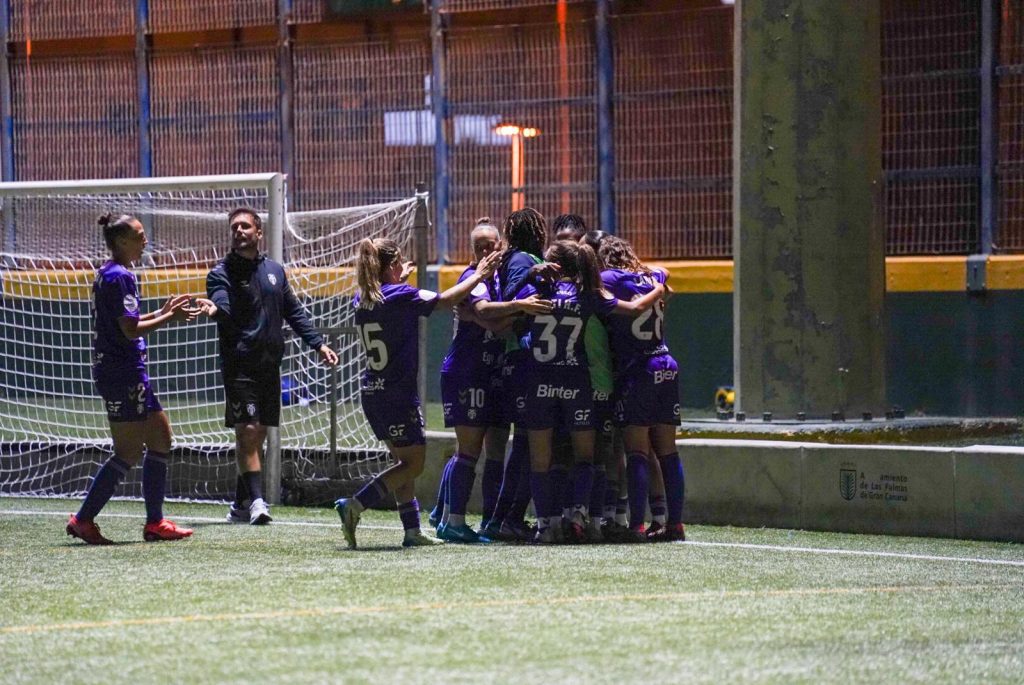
{"x":557,"y":392}
{"x":272,"y":278}
{"x":131,"y":303}
{"x":250,"y":409}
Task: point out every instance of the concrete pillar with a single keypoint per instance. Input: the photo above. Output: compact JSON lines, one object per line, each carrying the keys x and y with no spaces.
{"x":808,"y":213}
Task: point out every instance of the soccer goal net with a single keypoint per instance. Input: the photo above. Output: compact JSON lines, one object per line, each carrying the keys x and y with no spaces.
{"x":53,"y":430}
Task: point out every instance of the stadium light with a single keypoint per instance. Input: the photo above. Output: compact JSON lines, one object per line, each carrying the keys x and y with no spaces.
{"x":518,"y":134}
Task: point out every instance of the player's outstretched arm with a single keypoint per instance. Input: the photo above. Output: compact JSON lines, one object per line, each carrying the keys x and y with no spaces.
{"x":175,"y":309}
{"x":458,"y":292}
{"x":635,"y":308}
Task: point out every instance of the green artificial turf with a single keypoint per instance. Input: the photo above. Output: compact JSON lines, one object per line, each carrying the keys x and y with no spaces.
{"x":288,"y":603}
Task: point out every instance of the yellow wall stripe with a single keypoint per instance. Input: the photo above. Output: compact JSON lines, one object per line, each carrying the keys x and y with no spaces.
{"x":902,"y":274}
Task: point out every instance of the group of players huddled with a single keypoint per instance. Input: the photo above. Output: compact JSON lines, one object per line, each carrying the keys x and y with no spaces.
{"x":562,"y":340}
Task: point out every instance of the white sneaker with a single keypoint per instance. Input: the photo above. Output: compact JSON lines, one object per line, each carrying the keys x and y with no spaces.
{"x":238,"y":514}
{"x":259,"y":513}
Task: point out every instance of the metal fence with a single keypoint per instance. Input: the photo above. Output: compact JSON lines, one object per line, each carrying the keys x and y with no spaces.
{"x":518,"y":107}
{"x":1010,"y":155}
{"x":215,"y":111}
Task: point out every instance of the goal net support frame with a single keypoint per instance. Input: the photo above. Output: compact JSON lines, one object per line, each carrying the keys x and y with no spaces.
{"x":276,"y":225}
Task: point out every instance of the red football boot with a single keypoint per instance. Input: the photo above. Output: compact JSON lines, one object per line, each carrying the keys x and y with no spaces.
{"x":164,"y":529}
{"x":674,"y":532}
{"x":86,"y":531}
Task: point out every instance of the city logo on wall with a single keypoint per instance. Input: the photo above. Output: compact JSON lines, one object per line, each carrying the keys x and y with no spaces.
{"x":848,"y":483}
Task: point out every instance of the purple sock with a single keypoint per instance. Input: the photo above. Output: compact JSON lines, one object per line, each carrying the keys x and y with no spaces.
{"x":409,"y":512}
{"x":102,"y":487}
{"x":463,"y":475}
{"x":675,"y":485}
{"x":658,"y":509}
{"x":597,"y":492}
{"x":540,"y":487}
{"x":442,"y":491}
{"x":154,"y":484}
{"x":491,"y":486}
{"x":516,"y":471}
{"x":582,"y":484}
{"x":372,"y":493}
{"x":524,"y":493}
{"x":636,"y":469}
{"x":559,"y":479}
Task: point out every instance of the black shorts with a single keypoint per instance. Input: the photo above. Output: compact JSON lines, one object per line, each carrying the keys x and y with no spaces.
{"x":252,"y":395}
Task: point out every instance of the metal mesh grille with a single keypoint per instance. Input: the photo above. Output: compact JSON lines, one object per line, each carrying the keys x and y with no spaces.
{"x":673,"y":132}
{"x":520,"y":76}
{"x":49,"y":19}
{"x":75,"y":118}
{"x":1010,"y":160}
{"x":308,"y":11}
{"x":363,"y":130}
{"x":453,"y":6}
{"x":193,"y":15}
{"x":930,"y":106}
{"x":215,"y":112}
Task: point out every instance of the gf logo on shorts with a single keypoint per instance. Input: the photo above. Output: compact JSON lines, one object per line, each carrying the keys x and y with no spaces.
{"x":396,"y":430}
{"x":113,"y":407}
{"x":581,"y":416}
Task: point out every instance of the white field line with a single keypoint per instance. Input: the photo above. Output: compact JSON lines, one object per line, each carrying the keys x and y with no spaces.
{"x":691,"y":543}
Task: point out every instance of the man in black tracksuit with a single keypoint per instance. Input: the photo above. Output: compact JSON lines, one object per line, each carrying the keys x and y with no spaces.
{"x":250,"y":298}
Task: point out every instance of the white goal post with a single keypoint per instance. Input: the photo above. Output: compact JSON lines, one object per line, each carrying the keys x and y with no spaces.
{"x":52,"y":428}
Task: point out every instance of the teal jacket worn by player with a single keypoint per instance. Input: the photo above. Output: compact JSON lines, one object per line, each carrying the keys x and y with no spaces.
{"x":253,"y":299}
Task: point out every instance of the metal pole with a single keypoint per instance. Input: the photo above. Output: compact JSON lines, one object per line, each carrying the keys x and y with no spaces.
{"x":7,"y":115}
{"x":987,"y":123}
{"x":332,"y":393}
{"x":421,"y":226}
{"x":439,"y":108}
{"x":285,"y":86}
{"x":605,"y":118}
{"x":275,"y":247}
{"x":142,"y":86}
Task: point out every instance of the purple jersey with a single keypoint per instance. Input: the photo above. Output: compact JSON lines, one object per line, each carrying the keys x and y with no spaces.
{"x":473,"y":347}
{"x":634,"y":340}
{"x":115,"y":293}
{"x":557,"y":339}
{"x":389,"y":333}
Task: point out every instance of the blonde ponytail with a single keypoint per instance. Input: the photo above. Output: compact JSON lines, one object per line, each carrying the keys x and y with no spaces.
{"x":374,"y":257}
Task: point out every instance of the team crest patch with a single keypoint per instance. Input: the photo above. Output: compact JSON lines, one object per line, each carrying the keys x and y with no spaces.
{"x":250,"y":409}
{"x":272,"y":278}
{"x":131,"y":304}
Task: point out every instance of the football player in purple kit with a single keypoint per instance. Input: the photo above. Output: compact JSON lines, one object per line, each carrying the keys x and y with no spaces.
{"x":647,"y":406}
{"x":387,"y":311}
{"x":557,"y":388}
{"x":470,"y":396}
{"x":137,"y":421}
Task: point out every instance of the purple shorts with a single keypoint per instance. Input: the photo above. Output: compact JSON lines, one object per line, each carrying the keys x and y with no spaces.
{"x":469,"y":399}
{"x":555,"y":397}
{"x":127,"y":395}
{"x":649,"y":393}
{"x":394,"y":415}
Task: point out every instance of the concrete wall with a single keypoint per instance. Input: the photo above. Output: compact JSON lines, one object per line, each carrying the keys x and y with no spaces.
{"x":972,"y":492}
